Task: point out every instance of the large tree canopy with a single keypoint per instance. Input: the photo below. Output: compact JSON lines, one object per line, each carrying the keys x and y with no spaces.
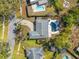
{"x":8,"y":6}
{"x":56,"y":4}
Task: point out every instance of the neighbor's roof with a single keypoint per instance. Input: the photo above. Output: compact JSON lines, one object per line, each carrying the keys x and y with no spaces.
{"x":35,"y":53}
{"x":39,"y":1}
{"x":42,"y":1}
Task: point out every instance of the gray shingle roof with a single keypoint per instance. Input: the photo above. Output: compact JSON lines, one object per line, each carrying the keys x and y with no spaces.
{"x":42,"y":2}
{"x":35,"y":53}
{"x":41,"y":29}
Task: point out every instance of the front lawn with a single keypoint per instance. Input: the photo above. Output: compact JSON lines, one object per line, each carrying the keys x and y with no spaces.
{"x":15,"y":53}
{"x":0,"y":31}
{"x":48,"y":55}
{"x":6,"y":31}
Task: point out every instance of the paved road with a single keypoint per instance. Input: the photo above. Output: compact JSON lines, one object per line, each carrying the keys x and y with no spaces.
{"x":11,"y":35}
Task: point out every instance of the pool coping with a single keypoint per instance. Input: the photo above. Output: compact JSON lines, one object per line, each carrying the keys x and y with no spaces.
{"x":49,"y":27}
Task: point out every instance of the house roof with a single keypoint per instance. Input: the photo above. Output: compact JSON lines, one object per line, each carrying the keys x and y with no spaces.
{"x":39,"y":1}
{"x":34,"y":34}
{"x":42,"y":2}
{"x":35,"y":53}
{"x":41,"y":29}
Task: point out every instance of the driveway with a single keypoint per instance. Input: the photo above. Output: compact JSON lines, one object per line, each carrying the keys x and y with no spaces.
{"x":27,"y":23}
{"x":11,"y":35}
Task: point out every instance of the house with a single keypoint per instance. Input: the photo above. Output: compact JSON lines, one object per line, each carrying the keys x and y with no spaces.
{"x":44,"y":29}
{"x":35,"y":53}
{"x":41,"y":30}
{"x":39,"y":2}
{"x":32,"y":8}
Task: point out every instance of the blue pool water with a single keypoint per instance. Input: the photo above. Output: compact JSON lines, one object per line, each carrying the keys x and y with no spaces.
{"x":65,"y":57}
{"x":54,"y":26}
{"x":39,"y":8}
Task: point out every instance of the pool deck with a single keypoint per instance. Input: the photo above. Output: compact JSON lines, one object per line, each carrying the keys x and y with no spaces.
{"x":38,"y":9}
{"x":66,"y":54}
{"x":49,"y":27}
{"x":31,"y":13}
{"x":50,"y":33}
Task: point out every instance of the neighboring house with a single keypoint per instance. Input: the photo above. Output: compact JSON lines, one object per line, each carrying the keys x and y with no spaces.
{"x":39,"y":2}
{"x":36,"y":7}
{"x":32,"y":8}
{"x":35,"y":53}
{"x":44,"y":29}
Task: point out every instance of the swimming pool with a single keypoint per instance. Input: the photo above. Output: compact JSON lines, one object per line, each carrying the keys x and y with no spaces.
{"x":38,"y":8}
{"x":54,"y":26}
{"x":65,"y":57}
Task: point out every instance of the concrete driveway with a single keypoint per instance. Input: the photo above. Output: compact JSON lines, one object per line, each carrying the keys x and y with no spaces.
{"x":27,"y":23}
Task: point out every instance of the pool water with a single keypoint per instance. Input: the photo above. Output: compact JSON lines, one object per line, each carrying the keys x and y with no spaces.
{"x":54,"y":26}
{"x":65,"y":57}
{"x":39,"y":7}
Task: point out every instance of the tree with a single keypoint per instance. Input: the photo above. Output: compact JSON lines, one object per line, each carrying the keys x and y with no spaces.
{"x":7,"y":8}
{"x":4,"y":49}
{"x":56,"y":4}
{"x":63,"y":39}
{"x":69,"y":20}
{"x":77,"y":1}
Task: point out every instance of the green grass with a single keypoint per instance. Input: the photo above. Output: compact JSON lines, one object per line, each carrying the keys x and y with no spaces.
{"x":20,"y":55}
{"x":26,"y":44}
{"x":5,"y":32}
{"x":1,"y":57}
{"x":48,"y":55}
{"x":29,"y":44}
{"x":59,"y":57}
{"x":0,"y":31}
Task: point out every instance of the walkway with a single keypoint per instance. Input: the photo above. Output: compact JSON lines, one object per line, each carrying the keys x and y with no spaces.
{"x":11,"y":35}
